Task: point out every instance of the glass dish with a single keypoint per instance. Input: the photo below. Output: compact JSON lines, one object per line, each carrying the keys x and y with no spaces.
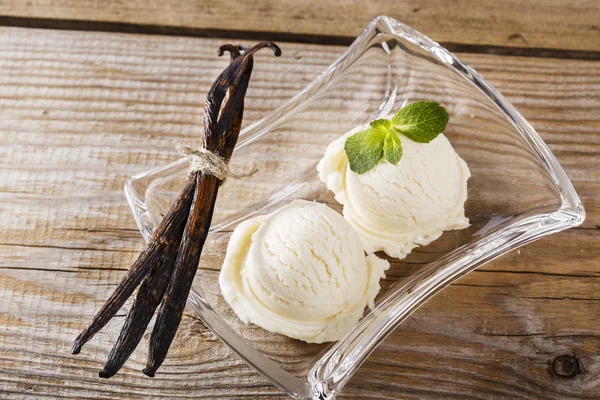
{"x":518,"y":193}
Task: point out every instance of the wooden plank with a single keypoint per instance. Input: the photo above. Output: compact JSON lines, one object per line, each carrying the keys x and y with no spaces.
{"x":558,"y":24}
{"x":81,"y":112}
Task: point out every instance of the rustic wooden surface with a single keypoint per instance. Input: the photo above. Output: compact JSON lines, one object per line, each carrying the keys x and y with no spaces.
{"x":557,"y":24}
{"x":80,"y":112}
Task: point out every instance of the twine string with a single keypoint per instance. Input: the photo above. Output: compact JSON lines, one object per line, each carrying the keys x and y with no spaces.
{"x":210,"y":163}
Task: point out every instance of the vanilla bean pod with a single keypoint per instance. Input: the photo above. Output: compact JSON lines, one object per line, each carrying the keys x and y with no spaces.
{"x":168,"y":264}
{"x":149,"y":294}
{"x":148,"y":297}
{"x":224,"y":111}
{"x":170,"y":230}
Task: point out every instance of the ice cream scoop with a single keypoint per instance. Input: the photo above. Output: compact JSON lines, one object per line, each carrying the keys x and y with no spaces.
{"x":300,"y":271}
{"x":396,"y":208}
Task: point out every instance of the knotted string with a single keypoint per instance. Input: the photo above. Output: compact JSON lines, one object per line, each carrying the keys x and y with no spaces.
{"x":210,"y":163}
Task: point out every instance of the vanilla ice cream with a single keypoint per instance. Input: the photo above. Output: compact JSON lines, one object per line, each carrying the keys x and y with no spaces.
{"x":300,"y":271}
{"x":396,"y":208}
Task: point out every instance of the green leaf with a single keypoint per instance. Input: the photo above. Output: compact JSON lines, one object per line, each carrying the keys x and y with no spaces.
{"x":364,"y":149}
{"x":392,"y":148}
{"x":383,"y":125}
{"x":421,"y":121}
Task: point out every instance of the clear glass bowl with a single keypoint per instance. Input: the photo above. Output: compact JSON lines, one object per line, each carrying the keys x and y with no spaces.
{"x":517,"y":193}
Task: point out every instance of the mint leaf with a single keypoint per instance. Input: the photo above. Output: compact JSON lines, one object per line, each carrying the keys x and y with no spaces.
{"x":392,"y":148}
{"x":421,"y":121}
{"x":384,"y":125}
{"x":364,"y":149}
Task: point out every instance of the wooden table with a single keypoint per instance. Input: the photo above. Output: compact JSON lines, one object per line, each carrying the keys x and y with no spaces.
{"x":90,"y":94}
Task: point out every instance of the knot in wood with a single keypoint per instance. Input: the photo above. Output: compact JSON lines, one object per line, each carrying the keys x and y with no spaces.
{"x":566,"y":366}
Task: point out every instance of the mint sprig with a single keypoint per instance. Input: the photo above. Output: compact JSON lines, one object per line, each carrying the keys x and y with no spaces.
{"x":421,"y":121}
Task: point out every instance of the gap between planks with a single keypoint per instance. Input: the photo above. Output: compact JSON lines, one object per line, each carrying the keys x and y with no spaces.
{"x":147,"y":29}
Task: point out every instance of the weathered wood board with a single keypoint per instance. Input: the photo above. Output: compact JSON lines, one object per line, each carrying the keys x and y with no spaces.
{"x":81,"y":112}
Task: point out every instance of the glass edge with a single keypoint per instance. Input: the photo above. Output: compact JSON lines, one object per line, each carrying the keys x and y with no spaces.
{"x":570,"y":199}
{"x":136,"y":205}
{"x":270,"y":369}
{"x":337,"y":366}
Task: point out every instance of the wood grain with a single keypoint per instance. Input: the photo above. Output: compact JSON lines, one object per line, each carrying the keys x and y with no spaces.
{"x":81,"y":112}
{"x":558,"y":24}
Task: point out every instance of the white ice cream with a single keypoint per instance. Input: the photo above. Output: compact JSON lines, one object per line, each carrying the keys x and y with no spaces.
{"x":396,"y":208}
{"x":300,"y":271}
